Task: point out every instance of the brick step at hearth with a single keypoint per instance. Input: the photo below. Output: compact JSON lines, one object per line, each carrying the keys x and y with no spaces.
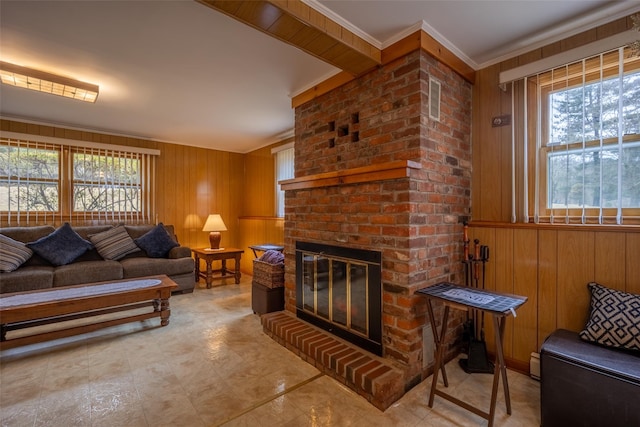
{"x":378,"y":380}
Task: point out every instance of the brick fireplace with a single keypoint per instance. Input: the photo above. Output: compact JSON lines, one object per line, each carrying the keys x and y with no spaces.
{"x":375,"y":171}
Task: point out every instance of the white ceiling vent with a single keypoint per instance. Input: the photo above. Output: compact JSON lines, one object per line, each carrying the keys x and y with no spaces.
{"x":434,"y":99}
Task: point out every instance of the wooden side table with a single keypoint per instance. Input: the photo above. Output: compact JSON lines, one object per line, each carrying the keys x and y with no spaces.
{"x":500,"y":306}
{"x":209,"y":255}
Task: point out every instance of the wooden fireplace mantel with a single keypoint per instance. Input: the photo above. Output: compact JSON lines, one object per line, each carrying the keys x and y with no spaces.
{"x":375,"y":172}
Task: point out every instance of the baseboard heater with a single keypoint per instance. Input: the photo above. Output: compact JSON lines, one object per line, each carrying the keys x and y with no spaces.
{"x":534,"y":366}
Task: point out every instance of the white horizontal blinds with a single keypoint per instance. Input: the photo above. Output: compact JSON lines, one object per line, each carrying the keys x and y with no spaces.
{"x":587,"y":136}
{"x":47,"y":183}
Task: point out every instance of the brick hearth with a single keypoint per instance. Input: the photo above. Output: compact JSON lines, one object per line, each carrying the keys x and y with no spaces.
{"x":377,"y":379}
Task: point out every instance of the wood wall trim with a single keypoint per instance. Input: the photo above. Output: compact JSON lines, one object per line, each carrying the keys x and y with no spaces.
{"x":376,"y":172}
{"x":326,"y":86}
{"x":402,"y":47}
{"x":558,"y":227}
{"x":261,"y":218}
{"x":444,"y":55}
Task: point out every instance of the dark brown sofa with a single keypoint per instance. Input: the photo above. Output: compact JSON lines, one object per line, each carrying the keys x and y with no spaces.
{"x":585,"y":384}
{"x":37,"y":273}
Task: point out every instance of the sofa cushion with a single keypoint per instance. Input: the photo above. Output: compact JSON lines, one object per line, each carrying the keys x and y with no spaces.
{"x":12,"y":253}
{"x":136,"y":231}
{"x":114,"y":243}
{"x":27,"y":234}
{"x":614,"y":319}
{"x":85,"y":231}
{"x":87,"y":272}
{"x":27,"y":279}
{"x":139,"y":267}
{"x":61,"y":247}
{"x":157,"y":242}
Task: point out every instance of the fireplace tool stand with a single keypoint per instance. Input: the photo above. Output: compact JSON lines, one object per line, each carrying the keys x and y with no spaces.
{"x":477,"y":361}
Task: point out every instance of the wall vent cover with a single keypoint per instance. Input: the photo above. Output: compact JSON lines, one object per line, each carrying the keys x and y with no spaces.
{"x":434,"y":99}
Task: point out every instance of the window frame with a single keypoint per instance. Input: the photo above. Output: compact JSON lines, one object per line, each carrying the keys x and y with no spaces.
{"x":65,"y":182}
{"x":573,"y":78}
{"x":40,"y":180}
{"x":74,"y":182}
{"x":280,"y":213}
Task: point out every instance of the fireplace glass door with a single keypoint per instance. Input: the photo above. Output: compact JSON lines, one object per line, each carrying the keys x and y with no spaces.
{"x":340,"y":293}
{"x":336,"y":290}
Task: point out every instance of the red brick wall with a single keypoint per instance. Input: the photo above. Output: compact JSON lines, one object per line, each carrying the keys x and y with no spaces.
{"x":417,"y":221}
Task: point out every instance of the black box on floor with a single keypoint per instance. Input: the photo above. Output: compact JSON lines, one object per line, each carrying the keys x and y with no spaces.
{"x":588,"y":385}
{"x":265,"y":300}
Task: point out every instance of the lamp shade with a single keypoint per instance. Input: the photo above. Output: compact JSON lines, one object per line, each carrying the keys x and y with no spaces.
{"x":214,"y":226}
{"x":214,"y":223}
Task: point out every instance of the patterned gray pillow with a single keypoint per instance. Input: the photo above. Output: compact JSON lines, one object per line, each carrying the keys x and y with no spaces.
{"x":114,"y":243}
{"x":12,"y":254}
{"x":614,"y":320}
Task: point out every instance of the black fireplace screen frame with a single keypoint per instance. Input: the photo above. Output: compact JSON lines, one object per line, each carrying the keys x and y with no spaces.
{"x":373,"y":341}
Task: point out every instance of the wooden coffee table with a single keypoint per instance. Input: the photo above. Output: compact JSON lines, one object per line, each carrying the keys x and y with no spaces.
{"x":22,"y":310}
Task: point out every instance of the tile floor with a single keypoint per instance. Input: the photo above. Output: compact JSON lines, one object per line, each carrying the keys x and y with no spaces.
{"x":213,"y":366}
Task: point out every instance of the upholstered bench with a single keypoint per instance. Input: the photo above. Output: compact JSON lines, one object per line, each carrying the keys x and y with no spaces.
{"x":592,"y":378}
{"x":585,"y":384}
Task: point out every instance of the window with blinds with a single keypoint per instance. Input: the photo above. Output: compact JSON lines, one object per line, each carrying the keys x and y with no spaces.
{"x":582,"y":129}
{"x":44,"y":182}
{"x":285,"y":169}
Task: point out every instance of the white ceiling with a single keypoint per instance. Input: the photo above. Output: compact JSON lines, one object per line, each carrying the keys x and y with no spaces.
{"x":178,"y":71}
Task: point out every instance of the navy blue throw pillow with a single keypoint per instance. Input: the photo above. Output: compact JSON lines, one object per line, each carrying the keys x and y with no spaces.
{"x":61,"y":247}
{"x":156,"y":242}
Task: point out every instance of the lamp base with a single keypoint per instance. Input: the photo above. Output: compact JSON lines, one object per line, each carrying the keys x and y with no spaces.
{"x":214,"y":240}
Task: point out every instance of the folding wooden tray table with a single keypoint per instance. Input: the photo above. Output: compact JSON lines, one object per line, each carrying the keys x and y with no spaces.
{"x":500,"y":306}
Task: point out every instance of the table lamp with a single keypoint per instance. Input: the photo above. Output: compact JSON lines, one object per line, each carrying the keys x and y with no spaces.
{"x":214,"y":225}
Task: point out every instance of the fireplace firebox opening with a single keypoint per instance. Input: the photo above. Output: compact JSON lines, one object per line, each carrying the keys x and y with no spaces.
{"x":339,"y":289}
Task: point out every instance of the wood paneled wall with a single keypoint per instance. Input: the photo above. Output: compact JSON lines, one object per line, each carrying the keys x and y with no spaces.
{"x":255,"y":231}
{"x":200,"y":181}
{"x":551,"y":265}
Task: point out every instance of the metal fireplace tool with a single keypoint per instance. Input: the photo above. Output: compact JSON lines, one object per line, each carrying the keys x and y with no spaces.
{"x":477,"y":360}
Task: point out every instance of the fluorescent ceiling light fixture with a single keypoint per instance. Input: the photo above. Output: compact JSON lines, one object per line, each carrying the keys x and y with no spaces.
{"x":41,"y":81}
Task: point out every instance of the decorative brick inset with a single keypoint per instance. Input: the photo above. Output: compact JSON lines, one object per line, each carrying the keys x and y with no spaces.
{"x":380,"y":381}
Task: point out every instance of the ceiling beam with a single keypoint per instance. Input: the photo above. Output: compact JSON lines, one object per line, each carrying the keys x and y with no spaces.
{"x":297,"y":24}
{"x":413,"y":42}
